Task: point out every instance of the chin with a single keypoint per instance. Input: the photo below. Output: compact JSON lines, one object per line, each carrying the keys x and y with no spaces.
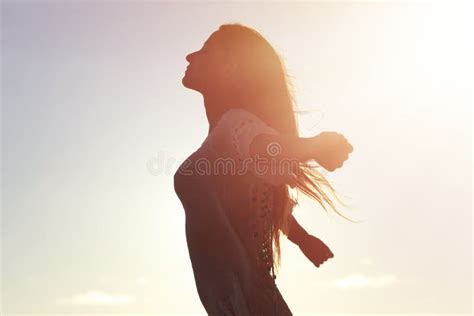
{"x":189,"y":84}
{"x":185,"y":81}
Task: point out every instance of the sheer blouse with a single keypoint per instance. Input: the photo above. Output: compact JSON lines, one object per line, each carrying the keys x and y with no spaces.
{"x":228,"y":204}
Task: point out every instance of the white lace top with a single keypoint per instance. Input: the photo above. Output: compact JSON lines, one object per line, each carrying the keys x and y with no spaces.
{"x":232,"y":137}
{"x":228,"y":206}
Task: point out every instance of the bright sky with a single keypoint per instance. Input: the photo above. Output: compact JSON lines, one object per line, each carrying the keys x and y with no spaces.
{"x":95,"y":121}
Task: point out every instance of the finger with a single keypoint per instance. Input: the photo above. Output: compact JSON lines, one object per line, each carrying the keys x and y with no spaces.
{"x":351,"y":149}
{"x":347,"y":146}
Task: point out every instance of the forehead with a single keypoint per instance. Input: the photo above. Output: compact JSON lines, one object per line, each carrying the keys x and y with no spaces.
{"x":213,"y":40}
{"x":215,"y":44}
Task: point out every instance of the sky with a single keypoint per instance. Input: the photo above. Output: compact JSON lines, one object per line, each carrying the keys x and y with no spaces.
{"x":95,"y":121}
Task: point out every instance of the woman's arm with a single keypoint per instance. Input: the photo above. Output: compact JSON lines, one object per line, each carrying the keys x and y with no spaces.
{"x":297,"y":234}
{"x":312,"y":247}
{"x":329,"y":149}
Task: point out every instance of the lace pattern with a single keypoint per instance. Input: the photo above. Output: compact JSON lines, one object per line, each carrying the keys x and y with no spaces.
{"x":262,"y":204}
{"x":261,"y":195}
{"x":243,"y":126}
{"x":253,"y":292}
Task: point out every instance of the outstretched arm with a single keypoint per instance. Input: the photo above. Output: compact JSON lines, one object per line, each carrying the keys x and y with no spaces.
{"x":297,"y":234}
{"x":329,"y":149}
{"x":312,"y":247}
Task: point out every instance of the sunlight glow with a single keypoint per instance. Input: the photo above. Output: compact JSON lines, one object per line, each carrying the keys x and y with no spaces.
{"x":97,"y":298}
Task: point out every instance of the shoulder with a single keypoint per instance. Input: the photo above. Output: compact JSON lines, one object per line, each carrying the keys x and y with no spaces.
{"x":239,"y":119}
{"x":235,"y":130}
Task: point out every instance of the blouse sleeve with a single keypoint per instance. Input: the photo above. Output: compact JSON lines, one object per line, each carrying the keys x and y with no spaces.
{"x":239,"y":128}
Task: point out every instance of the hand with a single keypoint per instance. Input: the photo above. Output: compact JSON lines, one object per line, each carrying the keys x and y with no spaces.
{"x":315,"y":250}
{"x":332,"y":149}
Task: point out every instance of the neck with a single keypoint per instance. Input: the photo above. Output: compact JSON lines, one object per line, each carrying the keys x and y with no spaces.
{"x":213,"y":116}
{"x":216,"y":106}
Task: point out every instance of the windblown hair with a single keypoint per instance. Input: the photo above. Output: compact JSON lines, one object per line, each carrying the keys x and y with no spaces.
{"x":266,"y":86}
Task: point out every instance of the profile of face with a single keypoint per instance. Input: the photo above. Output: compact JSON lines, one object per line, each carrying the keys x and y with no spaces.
{"x":211,"y":67}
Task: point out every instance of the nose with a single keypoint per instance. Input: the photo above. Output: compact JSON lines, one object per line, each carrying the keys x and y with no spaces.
{"x":190,"y":56}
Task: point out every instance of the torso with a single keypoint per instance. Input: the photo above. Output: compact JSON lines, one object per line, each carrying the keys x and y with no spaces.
{"x":228,"y":227}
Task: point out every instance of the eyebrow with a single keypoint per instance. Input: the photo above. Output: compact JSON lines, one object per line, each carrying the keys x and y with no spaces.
{"x":209,"y":42}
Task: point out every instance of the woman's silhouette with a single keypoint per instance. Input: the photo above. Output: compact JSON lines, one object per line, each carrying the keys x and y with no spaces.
{"x":234,"y":188}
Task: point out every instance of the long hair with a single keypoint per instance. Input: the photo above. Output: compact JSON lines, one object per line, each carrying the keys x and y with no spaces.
{"x":265,"y":85}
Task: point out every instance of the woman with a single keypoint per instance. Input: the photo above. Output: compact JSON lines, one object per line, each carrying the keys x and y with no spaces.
{"x":235,"y":189}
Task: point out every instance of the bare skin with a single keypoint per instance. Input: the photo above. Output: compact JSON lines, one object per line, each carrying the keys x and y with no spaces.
{"x":211,"y":72}
{"x":313,"y":248}
{"x":328,"y":149}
